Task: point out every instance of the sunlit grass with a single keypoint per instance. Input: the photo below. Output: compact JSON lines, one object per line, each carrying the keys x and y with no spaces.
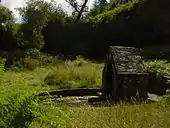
{"x":81,"y":73}
{"x":144,"y":116}
{"x":155,"y":115}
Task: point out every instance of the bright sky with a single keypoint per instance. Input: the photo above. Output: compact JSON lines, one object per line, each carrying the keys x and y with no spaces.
{"x":12,"y":4}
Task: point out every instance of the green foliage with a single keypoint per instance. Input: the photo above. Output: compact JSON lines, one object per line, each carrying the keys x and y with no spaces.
{"x":2,"y":63}
{"x":57,"y":78}
{"x":48,"y":28}
{"x":16,"y":109}
{"x":158,"y":67}
{"x":7,"y":32}
{"x":78,"y":62}
{"x":104,"y":115}
{"x":25,"y":64}
{"x":51,"y":117}
{"x":130,"y":22}
{"x":35,"y":15}
{"x":76,"y":74}
{"x":110,"y":15}
{"x":30,"y":64}
{"x":122,"y":115}
{"x":102,"y":6}
{"x":42,"y":58}
{"x":32,"y":59}
{"x":6,"y":17}
{"x":97,"y":10}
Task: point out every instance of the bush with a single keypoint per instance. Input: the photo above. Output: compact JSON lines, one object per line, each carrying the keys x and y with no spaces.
{"x":16,"y":109}
{"x":30,"y":63}
{"x":33,"y":59}
{"x":33,"y":53}
{"x":25,"y":63}
{"x":58,"y":79}
{"x":157,"y":69}
{"x":44,"y":59}
{"x":80,"y":61}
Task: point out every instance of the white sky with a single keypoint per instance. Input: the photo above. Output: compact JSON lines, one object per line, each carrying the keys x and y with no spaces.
{"x":12,"y":4}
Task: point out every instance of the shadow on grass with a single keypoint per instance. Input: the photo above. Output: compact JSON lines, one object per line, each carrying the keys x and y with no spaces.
{"x":94,"y":102}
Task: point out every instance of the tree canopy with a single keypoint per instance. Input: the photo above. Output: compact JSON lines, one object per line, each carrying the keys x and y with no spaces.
{"x":46,"y":27}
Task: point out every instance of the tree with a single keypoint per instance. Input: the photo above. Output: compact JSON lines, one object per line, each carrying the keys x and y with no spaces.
{"x":101,"y":2}
{"x":6,"y":19}
{"x":8,"y":39}
{"x":35,"y":16}
{"x":78,"y":9}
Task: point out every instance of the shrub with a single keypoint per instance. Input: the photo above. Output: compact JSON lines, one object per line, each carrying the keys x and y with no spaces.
{"x":157,"y":69}
{"x":32,"y":59}
{"x":58,"y":79}
{"x":30,"y":63}
{"x":46,"y":60}
{"x":78,"y":62}
{"x":25,"y":63}
{"x":16,"y":108}
{"x":33,"y":53}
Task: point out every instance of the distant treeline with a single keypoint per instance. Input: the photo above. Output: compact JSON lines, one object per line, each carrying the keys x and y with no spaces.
{"x":47,"y":28}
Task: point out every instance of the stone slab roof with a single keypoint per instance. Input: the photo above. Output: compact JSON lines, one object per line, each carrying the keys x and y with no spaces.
{"x":127,"y":60}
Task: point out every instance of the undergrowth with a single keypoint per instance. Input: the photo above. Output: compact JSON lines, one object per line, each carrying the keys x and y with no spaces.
{"x":75,"y":74}
{"x":19,"y":109}
{"x":158,"y":67}
{"x":15,"y":104}
{"x":32,"y":59}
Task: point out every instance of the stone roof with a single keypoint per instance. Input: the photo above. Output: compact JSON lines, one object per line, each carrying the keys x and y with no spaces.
{"x":127,"y":60}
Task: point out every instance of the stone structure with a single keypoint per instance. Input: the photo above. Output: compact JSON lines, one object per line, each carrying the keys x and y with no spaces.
{"x":124,"y":75}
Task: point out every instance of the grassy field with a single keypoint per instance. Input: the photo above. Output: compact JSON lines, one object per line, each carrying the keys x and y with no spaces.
{"x":80,"y":73}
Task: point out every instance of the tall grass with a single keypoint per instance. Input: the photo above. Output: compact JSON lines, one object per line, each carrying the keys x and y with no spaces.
{"x":76,"y":74}
{"x":155,"y":115}
{"x":19,"y":109}
{"x":15,"y":104}
{"x":121,"y":116}
{"x":51,"y":117}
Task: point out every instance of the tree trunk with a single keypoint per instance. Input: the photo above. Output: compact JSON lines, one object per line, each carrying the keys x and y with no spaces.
{"x":81,"y":10}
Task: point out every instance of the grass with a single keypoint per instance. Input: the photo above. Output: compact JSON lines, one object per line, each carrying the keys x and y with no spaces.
{"x":70,"y":76}
{"x":15,"y":104}
{"x":80,"y":73}
{"x":120,"y":116}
